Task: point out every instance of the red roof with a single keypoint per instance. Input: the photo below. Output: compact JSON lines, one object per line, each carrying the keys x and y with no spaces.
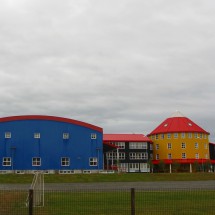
{"x":51,"y":118}
{"x":125,"y":138}
{"x":178,"y":123}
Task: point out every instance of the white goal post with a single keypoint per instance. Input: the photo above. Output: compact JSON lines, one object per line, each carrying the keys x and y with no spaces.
{"x":38,"y":190}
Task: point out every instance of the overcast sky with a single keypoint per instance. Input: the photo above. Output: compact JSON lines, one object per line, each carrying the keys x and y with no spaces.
{"x":123,"y":65}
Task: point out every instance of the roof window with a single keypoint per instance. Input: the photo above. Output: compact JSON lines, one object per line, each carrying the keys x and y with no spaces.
{"x":190,"y":124}
{"x":165,"y":125}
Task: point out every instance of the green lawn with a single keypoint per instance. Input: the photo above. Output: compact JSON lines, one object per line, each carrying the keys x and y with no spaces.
{"x":113,"y":202}
{"x":122,"y":177}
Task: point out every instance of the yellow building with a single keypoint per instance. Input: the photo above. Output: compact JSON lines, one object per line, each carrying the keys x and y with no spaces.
{"x":179,"y":140}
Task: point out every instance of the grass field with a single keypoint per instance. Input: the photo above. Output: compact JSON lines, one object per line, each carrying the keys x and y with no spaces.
{"x":122,"y":177}
{"x":114,"y":202}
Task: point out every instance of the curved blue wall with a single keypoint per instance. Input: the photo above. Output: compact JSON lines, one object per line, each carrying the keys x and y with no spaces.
{"x":21,"y":147}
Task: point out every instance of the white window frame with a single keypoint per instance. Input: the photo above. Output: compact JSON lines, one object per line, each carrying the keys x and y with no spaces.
{"x":7,"y":135}
{"x":183,"y":135}
{"x":183,"y":155}
{"x":189,"y":135}
{"x":37,"y":135}
{"x":66,"y":136}
{"x":175,"y":135}
{"x":156,"y":136}
{"x":138,"y":156}
{"x":36,"y":161}
{"x":157,"y":146}
{"x":138,"y":145}
{"x":183,"y":145}
{"x":196,"y":135}
{"x":196,"y":145}
{"x":93,"y":136}
{"x":121,"y":145}
{"x":196,"y":155}
{"x":169,"y":145}
{"x":206,"y":146}
{"x":168,"y":135}
{"x":93,"y":161}
{"x":113,"y":155}
{"x":157,"y":157}
{"x":169,"y":156}
{"x":162,"y":136}
{"x":65,"y":161}
{"x":6,"y":161}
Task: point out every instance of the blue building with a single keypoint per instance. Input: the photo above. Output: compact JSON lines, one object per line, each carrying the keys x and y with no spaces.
{"x":49,"y":143}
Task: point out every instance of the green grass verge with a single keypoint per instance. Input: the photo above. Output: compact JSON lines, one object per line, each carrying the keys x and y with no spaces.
{"x":90,"y":178}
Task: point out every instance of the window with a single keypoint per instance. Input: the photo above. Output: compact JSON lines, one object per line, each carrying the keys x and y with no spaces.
{"x":206,"y":146}
{"x":183,"y":155}
{"x":93,"y":161}
{"x":205,"y":136}
{"x":138,"y":145}
{"x":138,"y":155}
{"x":36,"y":161}
{"x":121,"y":145}
{"x":65,"y":136}
{"x":157,"y":146}
{"x":195,"y":135}
{"x":65,"y":161}
{"x":169,"y":156}
{"x":156,"y":136}
{"x":168,"y":136}
{"x":113,"y":155}
{"x":6,"y":161}
{"x":37,"y":135}
{"x":200,"y":135}
{"x":157,"y":156}
{"x":197,"y":155}
{"x":151,"y":147}
{"x":183,"y":145}
{"x":162,"y":136}
{"x":206,"y":156}
{"x":169,"y":145}
{"x":196,"y":145}
{"x":189,"y":135}
{"x":93,"y":136}
{"x":183,"y":135}
{"x":7,"y":135}
{"x":175,"y":135}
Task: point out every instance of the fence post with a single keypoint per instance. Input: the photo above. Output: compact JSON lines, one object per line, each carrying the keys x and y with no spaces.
{"x":132,"y":201}
{"x":31,"y":194}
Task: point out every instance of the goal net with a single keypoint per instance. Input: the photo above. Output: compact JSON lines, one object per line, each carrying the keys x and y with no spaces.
{"x":38,"y":190}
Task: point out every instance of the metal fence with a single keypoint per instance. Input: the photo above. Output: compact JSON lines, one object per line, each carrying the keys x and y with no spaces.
{"x":111,"y":202}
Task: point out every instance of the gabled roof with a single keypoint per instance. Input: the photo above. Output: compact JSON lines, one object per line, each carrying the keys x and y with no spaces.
{"x":50,"y":118}
{"x":177,"y":123}
{"x":125,"y":138}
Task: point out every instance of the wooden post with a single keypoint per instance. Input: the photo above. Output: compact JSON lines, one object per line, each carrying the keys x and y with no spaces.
{"x":132,"y":201}
{"x":31,"y":201}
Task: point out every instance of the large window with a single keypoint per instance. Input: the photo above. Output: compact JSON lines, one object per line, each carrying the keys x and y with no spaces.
{"x":138,"y":155}
{"x":36,"y":161}
{"x":93,"y":161}
{"x":6,"y":161}
{"x":138,"y":145}
{"x":113,"y":155}
{"x":65,"y":161}
{"x":121,"y":145}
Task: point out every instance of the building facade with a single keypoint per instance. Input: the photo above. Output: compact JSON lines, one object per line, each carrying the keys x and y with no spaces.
{"x":179,"y":140}
{"x":49,"y":143}
{"x":133,"y":152}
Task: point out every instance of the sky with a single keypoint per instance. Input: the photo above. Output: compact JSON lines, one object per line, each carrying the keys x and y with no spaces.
{"x":123,"y":65}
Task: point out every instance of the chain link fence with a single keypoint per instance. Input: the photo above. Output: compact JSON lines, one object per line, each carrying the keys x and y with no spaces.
{"x":110,"y":201}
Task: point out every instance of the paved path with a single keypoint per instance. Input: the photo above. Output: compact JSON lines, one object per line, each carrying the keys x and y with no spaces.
{"x":171,"y":185}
